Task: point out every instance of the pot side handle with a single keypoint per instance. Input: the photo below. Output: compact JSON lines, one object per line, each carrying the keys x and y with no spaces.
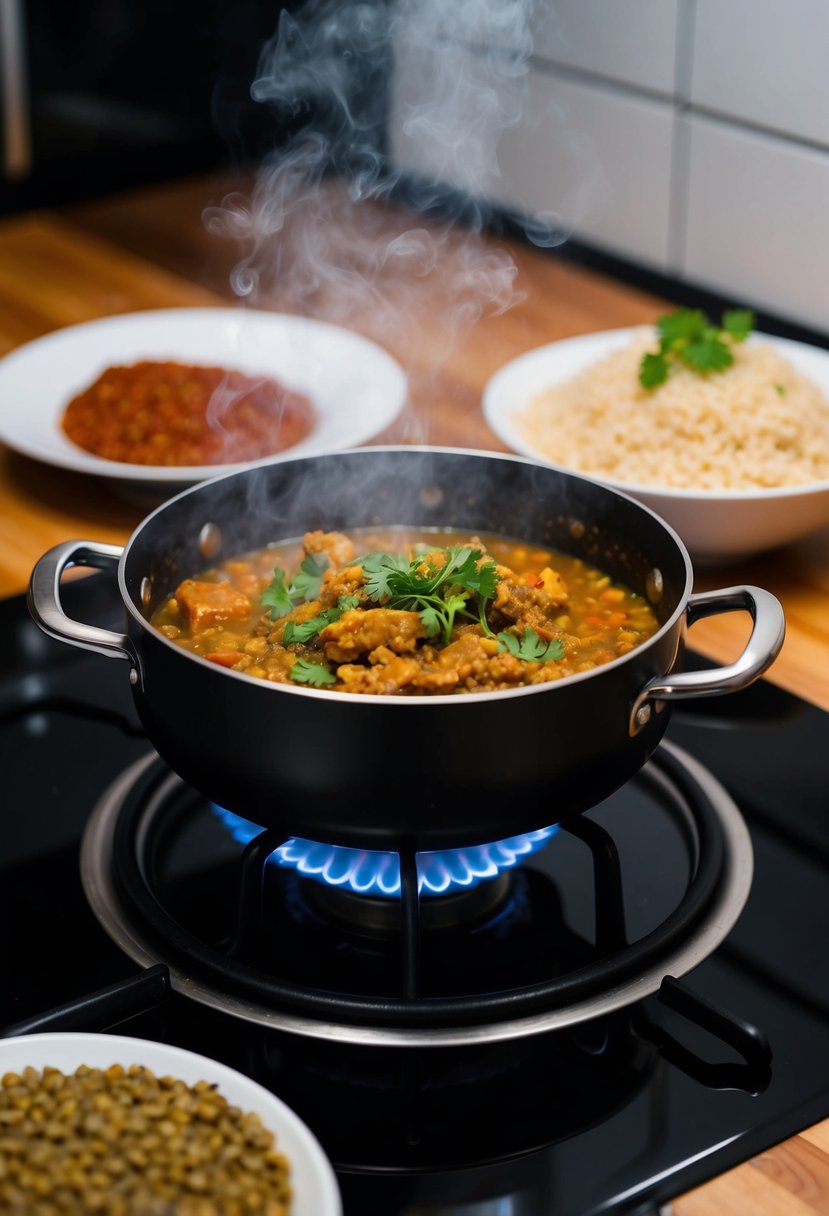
{"x":45,"y":603}
{"x":761,"y":649}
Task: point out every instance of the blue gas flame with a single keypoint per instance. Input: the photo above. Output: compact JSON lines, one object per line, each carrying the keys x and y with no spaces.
{"x":378,"y":874}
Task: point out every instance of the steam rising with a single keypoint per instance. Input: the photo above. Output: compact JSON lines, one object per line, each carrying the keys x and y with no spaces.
{"x":316,"y":233}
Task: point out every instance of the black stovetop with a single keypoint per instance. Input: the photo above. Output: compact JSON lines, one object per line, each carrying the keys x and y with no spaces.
{"x":511,"y":1129}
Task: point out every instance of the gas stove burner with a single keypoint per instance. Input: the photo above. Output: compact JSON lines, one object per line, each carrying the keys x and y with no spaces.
{"x":360,"y":889}
{"x":366,"y":915}
{"x":376,"y":874}
{"x":579,"y":930}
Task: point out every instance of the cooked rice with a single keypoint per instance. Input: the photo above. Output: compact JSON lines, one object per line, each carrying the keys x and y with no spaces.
{"x":758,"y":424}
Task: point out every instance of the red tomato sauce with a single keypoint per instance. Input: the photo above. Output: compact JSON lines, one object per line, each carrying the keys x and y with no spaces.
{"x":176,"y":414}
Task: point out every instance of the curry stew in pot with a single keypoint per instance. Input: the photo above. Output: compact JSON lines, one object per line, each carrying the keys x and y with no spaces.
{"x":406,"y":612}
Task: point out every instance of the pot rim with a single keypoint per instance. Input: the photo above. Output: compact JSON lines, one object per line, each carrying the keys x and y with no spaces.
{"x":388,"y":699}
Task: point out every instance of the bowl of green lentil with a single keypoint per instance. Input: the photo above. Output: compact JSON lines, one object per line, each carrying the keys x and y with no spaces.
{"x":119,"y":1126}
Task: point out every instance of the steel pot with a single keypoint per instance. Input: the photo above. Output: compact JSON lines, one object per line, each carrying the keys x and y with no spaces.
{"x":416,"y":772}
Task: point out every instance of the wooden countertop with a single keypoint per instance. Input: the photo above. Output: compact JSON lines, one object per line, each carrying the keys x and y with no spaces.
{"x":151,"y":250}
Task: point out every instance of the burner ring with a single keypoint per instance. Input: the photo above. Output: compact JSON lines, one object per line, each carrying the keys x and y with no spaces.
{"x":512,"y":1014}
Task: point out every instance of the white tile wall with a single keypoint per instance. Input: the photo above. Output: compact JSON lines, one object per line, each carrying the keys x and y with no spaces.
{"x":574,"y":157}
{"x":633,"y":42}
{"x":758,"y":220}
{"x":450,"y":108}
{"x":764,"y":62}
{"x":599,"y":159}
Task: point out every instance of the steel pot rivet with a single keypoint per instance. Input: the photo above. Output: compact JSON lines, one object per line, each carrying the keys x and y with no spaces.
{"x":210,"y":540}
{"x":654,"y":586}
{"x":146,"y":592}
{"x":431,"y":497}
{"x":643,"y":715}
{"x":133,"y":676}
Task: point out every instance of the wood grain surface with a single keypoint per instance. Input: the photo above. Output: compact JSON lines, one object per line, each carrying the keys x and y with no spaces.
{"x":152,"y":249}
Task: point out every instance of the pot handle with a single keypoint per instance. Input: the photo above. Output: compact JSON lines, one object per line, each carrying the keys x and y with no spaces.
{"x":760,"y":651}
{"x":46,"y":608}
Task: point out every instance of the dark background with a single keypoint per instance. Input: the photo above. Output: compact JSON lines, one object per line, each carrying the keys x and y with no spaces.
{"x":122,"y":93}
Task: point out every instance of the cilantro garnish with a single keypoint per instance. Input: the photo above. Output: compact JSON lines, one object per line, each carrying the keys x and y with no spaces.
{"x":739,"y":323}
{"x":530,"y":646}
{"x":379,"y":569}
{"x":282,"y":597}
{"x":688,"y":337}
{"x":441,"y":615}
{"x":306,"y":672}
{"x":303,"y":631}
{"x":308,"y":579}
{"x":438,"y":592}
{"x":277,"y":596}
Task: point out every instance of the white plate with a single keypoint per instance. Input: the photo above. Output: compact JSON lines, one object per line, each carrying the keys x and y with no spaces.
{"x":357,"y":389}
{"x":716,"y":526}
{"x":314,"y":1185}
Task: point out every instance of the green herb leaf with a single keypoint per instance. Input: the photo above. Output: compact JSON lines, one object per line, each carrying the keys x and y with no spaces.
{"x":307,"y":581}
{"x":282,"y":597}
{"x":294,"y":632}
{"x":552,"y":651}
{"x":454,"y":605}
{"x":460,"y":566}
{"x":738,"y":322}
{"x":687,"y":336}
{"x":482,"y":579}
{"x":303,"y":631}
{"x":432,"y":621}
{"x":379,"y":569}
{"x":277,"y":596}
{"x":531,"y":647}
{"x":306,"y":672}
{"x":684,"y":324}
{"x":653,"y":370}
{"x":709,"y":354}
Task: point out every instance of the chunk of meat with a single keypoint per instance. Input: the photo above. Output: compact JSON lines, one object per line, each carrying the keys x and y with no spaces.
{"x":470,"y":660}
{"x":383,"y":677}
{"x":335,"y":583}
{"x":337,"y":547}
{"x":530,"y":607}
{"x":469,"y":649}
{"x":358,"y":631}
{"x":205,"y":604}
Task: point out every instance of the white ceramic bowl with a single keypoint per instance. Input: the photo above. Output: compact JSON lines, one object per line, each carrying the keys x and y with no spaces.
{"x":314,"y":1185}
{"x":357,"y":389}
{"x":716,"y":526}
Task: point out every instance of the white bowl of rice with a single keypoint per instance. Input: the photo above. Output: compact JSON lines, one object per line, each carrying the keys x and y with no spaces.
{"x":737,"y":461}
